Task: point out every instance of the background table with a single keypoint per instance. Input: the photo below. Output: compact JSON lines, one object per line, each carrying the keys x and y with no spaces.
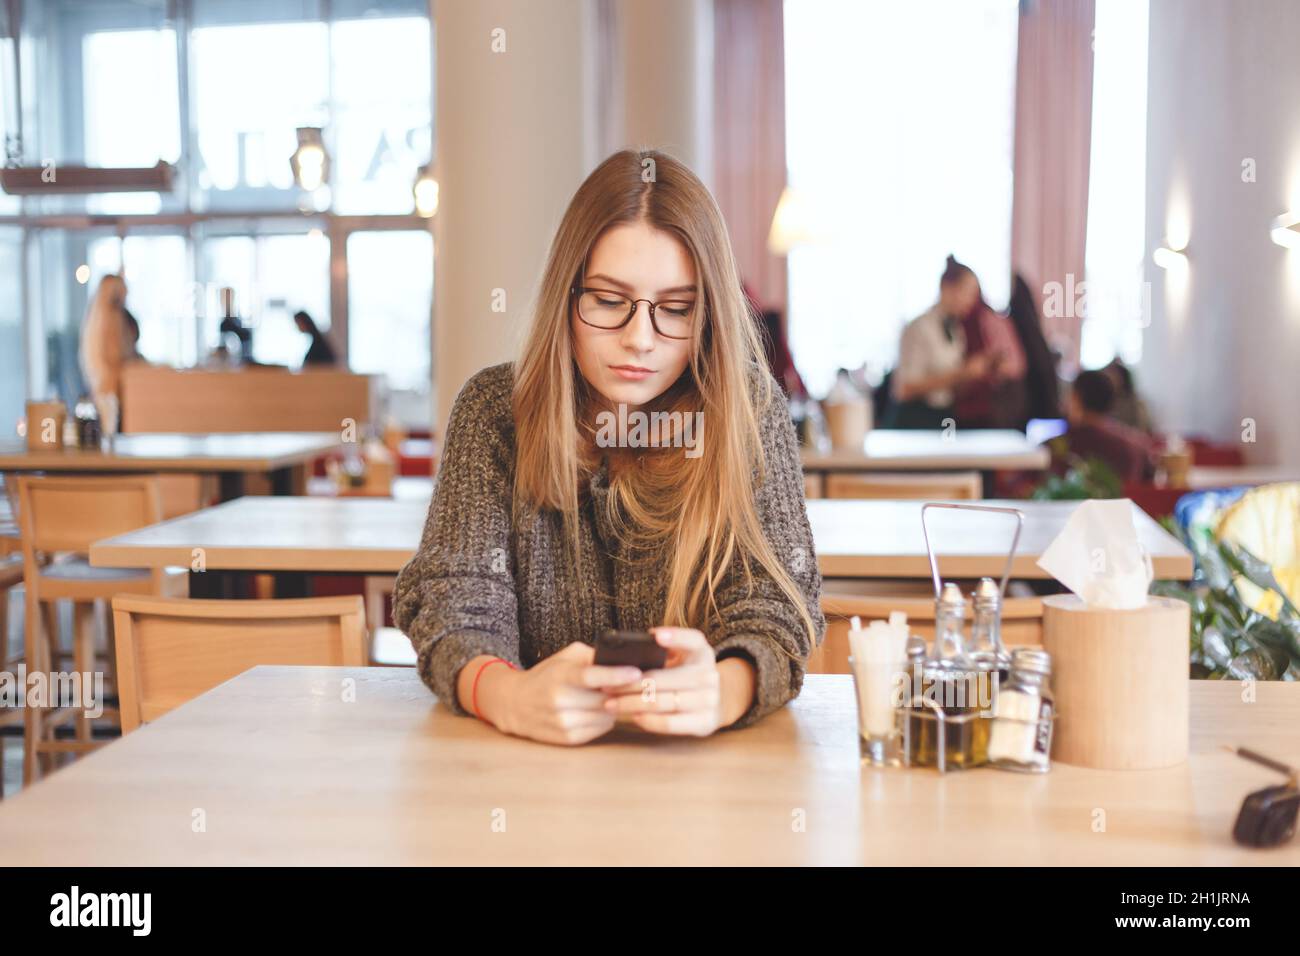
{"x":889,"y":449}
{"x":883,"y":539}
{"x":1201,"y":477}
{"x":857,"y":539}
{"x":282,"y":457}
{"x":284,"y":769}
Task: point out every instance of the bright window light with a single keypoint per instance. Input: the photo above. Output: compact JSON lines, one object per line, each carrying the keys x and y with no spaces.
{"x":900,"y":138}
{"x":1118,"y":302}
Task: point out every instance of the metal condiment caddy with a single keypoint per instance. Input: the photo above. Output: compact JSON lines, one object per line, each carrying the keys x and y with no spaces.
{"x":956,"y":730}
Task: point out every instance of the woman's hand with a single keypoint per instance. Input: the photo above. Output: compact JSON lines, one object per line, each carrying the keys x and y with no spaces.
{"x":685,"y":697}
{"x":559,"y":700}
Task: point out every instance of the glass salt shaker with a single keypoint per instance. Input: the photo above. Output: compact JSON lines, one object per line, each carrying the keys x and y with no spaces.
{"x":1021,"y":737}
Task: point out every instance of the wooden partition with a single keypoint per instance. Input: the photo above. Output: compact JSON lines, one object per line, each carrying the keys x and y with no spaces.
{"x":194,"y":401}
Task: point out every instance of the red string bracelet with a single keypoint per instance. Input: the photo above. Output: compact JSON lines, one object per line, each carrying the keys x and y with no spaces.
{"x":474,"y":694}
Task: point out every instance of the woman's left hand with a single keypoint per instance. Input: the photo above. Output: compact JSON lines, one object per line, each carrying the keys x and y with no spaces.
{"x":685,"y":697}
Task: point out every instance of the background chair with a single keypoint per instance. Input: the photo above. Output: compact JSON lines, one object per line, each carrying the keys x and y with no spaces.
{"x":59,"y":517}
{"x":931,"y":486}
{"x":171,"y":650}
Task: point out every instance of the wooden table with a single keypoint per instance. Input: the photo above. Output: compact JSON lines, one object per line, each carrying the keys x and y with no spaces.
{"x":857,"y":539}
{"x":1204,"y":477}
{"x":883,"y":539}
{"x":282,"y":457}
{"x":887,"y":449}
{"x":280,"y":768}
{"x":287,"y":535}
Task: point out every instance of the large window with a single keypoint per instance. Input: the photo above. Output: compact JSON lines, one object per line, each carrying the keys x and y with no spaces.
{"x":273,"y":276}
{"x":1118,"y":301}
{"x":388,"y":285}
{"x":899,"y":139}
{"x":219,"y":88}
{"x":12,"y":372}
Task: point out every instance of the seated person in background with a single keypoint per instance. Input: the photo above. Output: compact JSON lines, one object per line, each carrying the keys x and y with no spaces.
{"x":1042,"y":385}
{"x":320,"y":352}
{"x":1095,"y":433}
{"x":996,"y":399}
{"x":1129,"y":407}
{"x":777,"y":349}
{"x":932,"y":359}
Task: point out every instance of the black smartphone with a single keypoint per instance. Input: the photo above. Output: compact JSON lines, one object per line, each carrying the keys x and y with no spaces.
{"x":630,"y":649}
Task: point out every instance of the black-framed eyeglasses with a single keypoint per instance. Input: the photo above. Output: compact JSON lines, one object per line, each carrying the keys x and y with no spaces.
{"x":607,"y":309}
{"x":1268,"y":817}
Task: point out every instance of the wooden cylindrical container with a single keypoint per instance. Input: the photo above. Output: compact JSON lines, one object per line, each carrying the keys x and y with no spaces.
{"x":45,"y":425}
{"x":1120,"y":679}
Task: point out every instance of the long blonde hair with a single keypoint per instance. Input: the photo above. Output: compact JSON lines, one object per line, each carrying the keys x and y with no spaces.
{"x":104,"y":337}
{"x":701,"y":510}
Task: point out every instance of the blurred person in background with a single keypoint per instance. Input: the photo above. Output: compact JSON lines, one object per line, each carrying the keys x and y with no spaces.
{"x":777,"y":350}
{"x":1096,"y":433}
{"x":932,"y":356}
{"x":1129,"y":407}
{"x":108,"y":339}
{"x":319,"y":352}
{"x":1042,"y":384}
{"x":996,"y":398}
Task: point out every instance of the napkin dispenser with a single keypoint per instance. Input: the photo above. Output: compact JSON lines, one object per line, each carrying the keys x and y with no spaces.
{"x":1120,"y":657}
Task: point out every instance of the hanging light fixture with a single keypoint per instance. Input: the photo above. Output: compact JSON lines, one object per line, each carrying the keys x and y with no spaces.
{"x":310,"y":162}
{"x":425,"y":191}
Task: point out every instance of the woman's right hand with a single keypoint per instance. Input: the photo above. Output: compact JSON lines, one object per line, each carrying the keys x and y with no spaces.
{"x":560,"y":700}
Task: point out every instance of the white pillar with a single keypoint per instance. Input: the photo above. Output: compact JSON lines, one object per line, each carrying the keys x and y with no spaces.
{"x":515,"y":138}
{"x":666,"y":60}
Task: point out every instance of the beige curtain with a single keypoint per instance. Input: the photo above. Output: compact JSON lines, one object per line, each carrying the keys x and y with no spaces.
{"x":749,"y":136}
{"x":1049,"y":217}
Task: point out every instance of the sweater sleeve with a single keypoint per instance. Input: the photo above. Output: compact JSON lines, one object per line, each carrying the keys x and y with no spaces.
{"x":455,"y":599}
{"x":758,"y":621}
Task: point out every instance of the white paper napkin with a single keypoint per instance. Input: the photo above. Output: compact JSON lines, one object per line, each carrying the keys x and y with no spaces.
{"x":1097,"y":556}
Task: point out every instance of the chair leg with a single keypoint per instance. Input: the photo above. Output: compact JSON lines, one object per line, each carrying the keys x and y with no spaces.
{"x":83,"y":656}
{"x":35,"y":644}
{"x":50,"y":614}
{"x":110,"y":647}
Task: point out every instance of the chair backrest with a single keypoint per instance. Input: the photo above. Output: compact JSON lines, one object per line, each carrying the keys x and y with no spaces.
{"x":69,"y":513}
{"x":170,"y":650}
{"x":1022,"y":623}
{"x":929,"y":486}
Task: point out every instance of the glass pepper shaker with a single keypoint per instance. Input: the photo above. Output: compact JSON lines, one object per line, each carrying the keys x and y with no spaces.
{"x":1021,"y":737}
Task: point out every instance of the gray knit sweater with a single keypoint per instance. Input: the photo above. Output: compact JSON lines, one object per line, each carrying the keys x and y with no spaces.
{"x":479,"y":584}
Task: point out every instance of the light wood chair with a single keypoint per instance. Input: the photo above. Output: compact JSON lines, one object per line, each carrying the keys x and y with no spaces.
{"x":59,"y":518}
{"x":11,"y":562}
{"x":929,"y":486}
{"x":171,"y":650}
{"x":1022,"y":622}
{"x":813,"y":485}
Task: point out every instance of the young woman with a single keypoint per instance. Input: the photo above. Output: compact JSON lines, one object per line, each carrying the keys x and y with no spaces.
{"x":547,"y":526}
